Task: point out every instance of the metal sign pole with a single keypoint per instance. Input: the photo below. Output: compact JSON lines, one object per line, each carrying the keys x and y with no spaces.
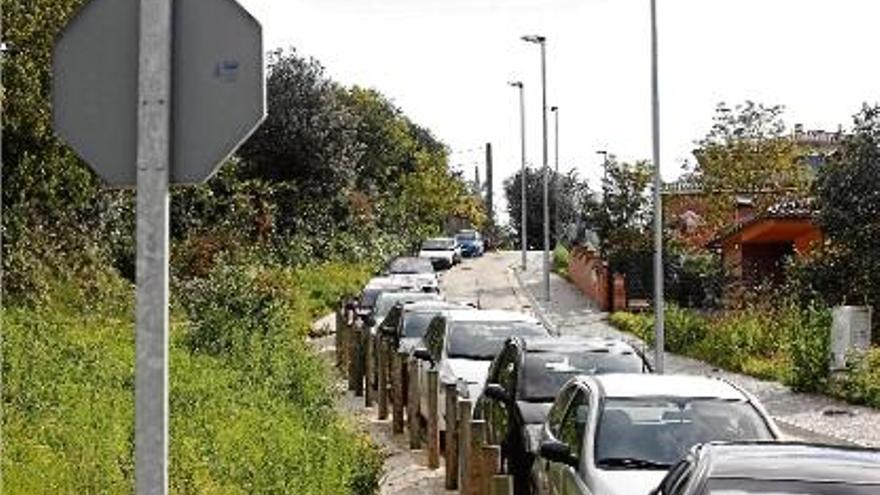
{"x":153,"y":159}
{"x":659,"y":337}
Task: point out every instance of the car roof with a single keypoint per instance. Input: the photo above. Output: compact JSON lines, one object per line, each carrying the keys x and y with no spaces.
{"x":470,"y":314}
{"x":430,"y":305}
{"x":620,"y":385}
{"x":570,"y":344}
{"x":412,"y":295}
{"x":791,"y":460}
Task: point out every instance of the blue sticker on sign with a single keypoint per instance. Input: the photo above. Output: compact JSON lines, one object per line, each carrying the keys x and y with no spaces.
{"x":227,"y":70}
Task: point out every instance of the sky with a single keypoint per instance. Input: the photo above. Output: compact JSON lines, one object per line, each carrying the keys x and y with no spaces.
{"x":446,"y":64}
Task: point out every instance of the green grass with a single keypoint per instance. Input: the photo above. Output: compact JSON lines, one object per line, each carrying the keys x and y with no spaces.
{"x":256,"y":416}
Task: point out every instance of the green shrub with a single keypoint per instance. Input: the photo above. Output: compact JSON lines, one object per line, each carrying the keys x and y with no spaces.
{"x":810,"y":350}
{"x":560,"y":260}
{"x":639,"y":325}
{"x":861,"y":381}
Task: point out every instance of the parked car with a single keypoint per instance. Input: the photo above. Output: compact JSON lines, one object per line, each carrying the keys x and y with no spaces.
{"x":414,"y":271}
{"x":471,"y":243}
{"x":379,"y":285}
{"x":524,"y":379}
{"x":618,"y":434}
{"x":763,"y":468}
{"x":387,"y":300}
{"x":461,"y":344}
{"x":407,"y":322}
{"x":443,"y":252}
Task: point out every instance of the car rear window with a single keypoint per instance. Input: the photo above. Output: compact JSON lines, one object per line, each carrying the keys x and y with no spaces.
{"x":410,"y":266}
{"x":438,"y":244}
{"x":484,"y":339}
{"x":545,"y":373}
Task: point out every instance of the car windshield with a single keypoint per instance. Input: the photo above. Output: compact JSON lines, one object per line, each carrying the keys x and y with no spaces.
{"x":635,"y":433}
{"x":369,"y":295}
{"x":544,"y":373}
{"x":484,"y":339}
{"x":387,"y":300}
{"x":415,"y":324}
{"x":466,"y":236}
{"x":741,"y":486}
{"x":410,"y":266}
{"x":438,"y":244}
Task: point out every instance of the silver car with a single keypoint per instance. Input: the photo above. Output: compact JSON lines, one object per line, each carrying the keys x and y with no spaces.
{"x":618,"y":434}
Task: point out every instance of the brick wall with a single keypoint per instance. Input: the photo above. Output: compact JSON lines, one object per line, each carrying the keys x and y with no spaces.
{"x":590,"y":274}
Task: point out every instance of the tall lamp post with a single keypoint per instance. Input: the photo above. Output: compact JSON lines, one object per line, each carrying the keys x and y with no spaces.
{"x":522,"y":178}
{"x":659,"y":336}
{"x":542,"y":41}
{"x":555,"y":111}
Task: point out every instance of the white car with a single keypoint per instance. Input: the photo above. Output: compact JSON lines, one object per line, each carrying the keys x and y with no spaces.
{"x":618,"y":434}
{"x":461,"y":345}
{"x":443,"y":252}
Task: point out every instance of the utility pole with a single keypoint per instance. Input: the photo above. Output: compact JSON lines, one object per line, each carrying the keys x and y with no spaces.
{"x":489,"y":177}
{"x":522,"y":175}
{"x":153,"y":160}
{"x":659,"y":313}
{"x":478,"y":188}
{"x":555,"y":111}
{"x":542,"y":41}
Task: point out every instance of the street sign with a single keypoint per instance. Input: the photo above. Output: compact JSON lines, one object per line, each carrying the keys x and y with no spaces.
{"x":150,"y":93}
{"x":218,"y":93}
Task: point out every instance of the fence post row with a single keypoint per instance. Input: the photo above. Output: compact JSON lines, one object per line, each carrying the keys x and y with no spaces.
{"x":451,"y":449}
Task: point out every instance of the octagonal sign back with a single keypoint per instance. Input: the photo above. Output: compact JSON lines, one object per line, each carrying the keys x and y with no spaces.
{"x":218,"y":86}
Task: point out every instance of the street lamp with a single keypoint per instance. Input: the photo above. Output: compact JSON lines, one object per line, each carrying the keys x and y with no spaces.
{"x":542,"y":41}
{"x":522,"y":178}
{"x":555,"y":111}
{"x":659,"y":330}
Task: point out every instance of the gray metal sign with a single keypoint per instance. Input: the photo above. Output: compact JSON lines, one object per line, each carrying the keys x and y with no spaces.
{"x":218,"y":86}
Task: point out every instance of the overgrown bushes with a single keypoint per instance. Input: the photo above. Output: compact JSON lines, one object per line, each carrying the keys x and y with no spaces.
{"x":252,"y":404}
{"x":789,"y":344}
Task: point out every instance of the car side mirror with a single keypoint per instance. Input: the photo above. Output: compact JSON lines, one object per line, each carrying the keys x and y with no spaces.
{"x":497,"y":393}
{"x":558,"y":452}
{"x":423,"y":355}
{"x":370,"y":320}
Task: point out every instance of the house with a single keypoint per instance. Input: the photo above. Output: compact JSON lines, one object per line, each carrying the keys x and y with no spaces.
{"x":754,"y":250}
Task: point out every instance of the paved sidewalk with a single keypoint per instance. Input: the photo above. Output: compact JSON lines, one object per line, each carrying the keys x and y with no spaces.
{"x":805,"y":416}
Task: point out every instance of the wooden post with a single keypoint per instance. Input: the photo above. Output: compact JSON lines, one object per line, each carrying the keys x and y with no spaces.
{"x":433,"y":420}
{"x":338,"y":337}
{"x":475,"y":462}
{"x":412,"y":409}
{"x":491,"y":465}
{"x":397,"y":391}
{"x":357,"y":360}
{"x":464,"y":443}
{"x":451,"y":436}
{"x":369,"y":368}
{"x":382,"y":346}
{"x":502,"y":484}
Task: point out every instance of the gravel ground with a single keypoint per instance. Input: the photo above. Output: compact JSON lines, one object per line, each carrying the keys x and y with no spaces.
{"x":804,"y":416}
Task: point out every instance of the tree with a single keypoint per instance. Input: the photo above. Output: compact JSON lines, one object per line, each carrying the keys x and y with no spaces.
{"x":622,"y":217}
{"x":747,"y":151}
{"x":573,"y":195}
{"x":847,"y":190}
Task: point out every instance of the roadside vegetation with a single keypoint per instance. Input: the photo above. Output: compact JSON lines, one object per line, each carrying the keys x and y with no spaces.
{"x":788,"y":344}
{"x":335,"y":182}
